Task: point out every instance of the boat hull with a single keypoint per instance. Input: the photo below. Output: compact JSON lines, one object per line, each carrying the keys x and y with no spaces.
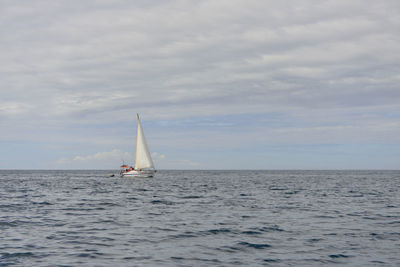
{"x":139,"y":174}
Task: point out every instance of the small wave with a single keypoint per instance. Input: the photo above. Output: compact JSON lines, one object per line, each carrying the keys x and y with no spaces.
{"x":104,"y":221}
{"x":141,"y":189}
{"x":86,"y":255}
{"x":386,"y":236}
{"x":335,"y":256}
{"x":378,"y":262}
{"x":137,"y":258}
{"x":77,"y":242}
{"x":42,"y":203}
{"x":190,"y":197}
{"x":325,"y":217}
{"x":254,"y":245}
{"x":313,"y":240}
{"x":358,"y":195}
{"x":15,"y":223}
{"x":6,"y":255}
{"x":185,"y":235}
{"x":218,"y":231}
{"x":354,"y":214}
{"x":166,"y":202}
{"x":109,"y":204}
{"x":190,"y":234}
{"x":80,"y":209}
{"x":330,"y":234}
{"x":292,"y":192}
{"x":229,"y":249}
{"x":12,"y":223}
{"x":165,"y":229}
{"x":353,"y":193}
{"x":14,"y":206}
{"x":251,"y":233}
{"x":369,"y":218}
{"x":278,"y":188}
{"x":272,"y":260}
{"x":206,"y":260}
{"x":177,"y":258}
{"x":270,"y":228}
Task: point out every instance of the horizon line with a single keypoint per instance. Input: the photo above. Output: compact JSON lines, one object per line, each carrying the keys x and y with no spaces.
{"x":346,"y":169}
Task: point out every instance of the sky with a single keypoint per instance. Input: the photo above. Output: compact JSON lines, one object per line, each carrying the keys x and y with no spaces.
{"x":227,"y":84}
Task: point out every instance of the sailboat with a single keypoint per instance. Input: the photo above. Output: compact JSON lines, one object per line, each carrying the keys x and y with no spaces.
{"x":144,"y":166}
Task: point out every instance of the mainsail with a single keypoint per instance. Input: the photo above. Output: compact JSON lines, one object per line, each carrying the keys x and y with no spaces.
{"x":143,"y":158}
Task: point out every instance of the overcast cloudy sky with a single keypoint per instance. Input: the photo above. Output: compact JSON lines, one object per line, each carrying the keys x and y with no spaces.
{"x":225,"y":84}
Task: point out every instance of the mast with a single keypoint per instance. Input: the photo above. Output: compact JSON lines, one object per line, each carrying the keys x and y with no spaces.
{"x":143,"y":158}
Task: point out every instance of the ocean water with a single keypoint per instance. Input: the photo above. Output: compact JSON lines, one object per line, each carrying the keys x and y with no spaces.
{"x":200,"y":218}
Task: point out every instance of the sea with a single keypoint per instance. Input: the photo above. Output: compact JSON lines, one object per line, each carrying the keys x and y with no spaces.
{"x":200,"y":218}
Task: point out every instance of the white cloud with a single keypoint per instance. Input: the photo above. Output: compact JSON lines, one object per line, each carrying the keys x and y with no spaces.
{"x":157,"y":156}
{"x":114,"y":154}
{"x":13,"y":108}
{"x":78,"y":73}
{"x":108,"y":159}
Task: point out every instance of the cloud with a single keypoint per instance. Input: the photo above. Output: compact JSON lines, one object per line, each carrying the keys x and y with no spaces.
{"x":108,"y":160}
{"x":13,"y":109}
{"x":114,"y":154}
{"x":102,"y":59}
{"x":162,"y":162}
{"x":157,"y":156}
{"x":76,"y":74}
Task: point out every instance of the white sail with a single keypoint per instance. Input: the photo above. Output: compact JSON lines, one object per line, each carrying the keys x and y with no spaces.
{"x":143,"y":158}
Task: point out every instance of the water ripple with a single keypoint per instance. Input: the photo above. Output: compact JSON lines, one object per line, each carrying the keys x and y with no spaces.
{"x":200,"y":218}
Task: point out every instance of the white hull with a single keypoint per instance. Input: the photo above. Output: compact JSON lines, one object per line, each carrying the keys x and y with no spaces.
{"x":142,"y":174}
